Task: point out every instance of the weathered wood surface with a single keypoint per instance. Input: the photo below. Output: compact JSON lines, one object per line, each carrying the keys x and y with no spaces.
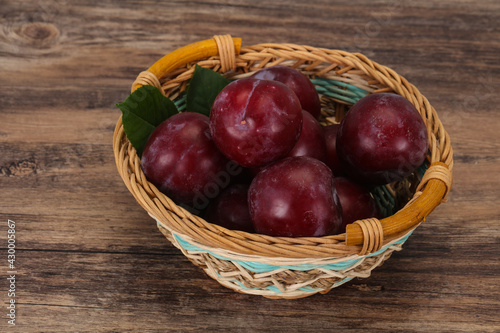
{"x":89,"y":259}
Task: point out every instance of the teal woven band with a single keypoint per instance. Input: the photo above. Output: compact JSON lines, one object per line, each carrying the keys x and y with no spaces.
{"x":257,"y":267}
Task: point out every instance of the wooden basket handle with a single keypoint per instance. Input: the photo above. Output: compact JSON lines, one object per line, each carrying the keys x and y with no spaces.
{"x":224,"y":46}
{"x":436,"y":185}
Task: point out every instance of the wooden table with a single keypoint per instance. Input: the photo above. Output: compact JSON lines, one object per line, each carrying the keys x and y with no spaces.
{"x":88,"y":258}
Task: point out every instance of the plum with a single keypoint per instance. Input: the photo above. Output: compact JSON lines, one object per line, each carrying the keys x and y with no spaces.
{"x":298,"y":82}
{"x":295,"y":197}
{"x":356,"y":201}
{"x":311,"y":142}
{"x":312,"y":139}
{"x":230,"y":209}
{"x":181,"y":159}
{"x":332,"y":160}
{"x":381,"y":139}
{"x":255,"y":122}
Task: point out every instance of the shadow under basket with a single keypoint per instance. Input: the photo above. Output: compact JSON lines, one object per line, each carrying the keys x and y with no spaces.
{"x":281,"y":267}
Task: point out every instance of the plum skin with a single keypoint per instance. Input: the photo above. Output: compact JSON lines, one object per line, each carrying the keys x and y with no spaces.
{"x":295,"y":197}
{"x":332,"y":160}
{"x":311,"y":141}
{"x":255,"y":122}
{"x":181,"y":159}
{"x":356,"y":201}
{"x":381,"y":139}
{"x":298,"y":82}
{"x":230,"y":209}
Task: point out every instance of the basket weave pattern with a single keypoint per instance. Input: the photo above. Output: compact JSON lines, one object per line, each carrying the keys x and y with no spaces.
{"x":282,"y":277}
{"x":279,"y":267}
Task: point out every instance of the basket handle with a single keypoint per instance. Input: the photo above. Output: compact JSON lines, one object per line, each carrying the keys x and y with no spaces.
{"x":224,"y":46}
{"x":436,"y":185}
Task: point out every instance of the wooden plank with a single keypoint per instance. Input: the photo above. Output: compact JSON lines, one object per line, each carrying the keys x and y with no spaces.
{"x":90,"y":259}
{"x":425,"y":277}
{"x":186,"y":300}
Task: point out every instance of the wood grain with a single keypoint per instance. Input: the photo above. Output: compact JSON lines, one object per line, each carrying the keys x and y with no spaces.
{"x":89,"y":259}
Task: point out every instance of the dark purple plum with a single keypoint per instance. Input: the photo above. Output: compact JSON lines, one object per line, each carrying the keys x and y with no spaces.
{"x":181,"y":159}
{"x":332,"y":160}
{"x":295,"y":197}
{"x":311,"y":142}
{"x":298,"y":82}
{"x":312,"y":139}
{"x":381,"y":139}
{"x":255,"y":122}
{"x":356,"y":201}
{"x":230,"y":209}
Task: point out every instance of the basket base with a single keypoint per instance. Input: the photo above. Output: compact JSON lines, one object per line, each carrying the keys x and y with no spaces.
{"x":278,"y":281}
{"x":273,"y":295}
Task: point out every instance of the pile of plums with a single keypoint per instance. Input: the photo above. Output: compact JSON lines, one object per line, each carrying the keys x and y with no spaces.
{"x":262,"y":162}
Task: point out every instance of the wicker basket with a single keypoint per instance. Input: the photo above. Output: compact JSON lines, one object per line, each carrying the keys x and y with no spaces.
{"x":280,"y":267}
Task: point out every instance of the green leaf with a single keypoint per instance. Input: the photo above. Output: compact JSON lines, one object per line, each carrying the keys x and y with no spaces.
{"x":143,"y":111}
{"x":204,"y":86}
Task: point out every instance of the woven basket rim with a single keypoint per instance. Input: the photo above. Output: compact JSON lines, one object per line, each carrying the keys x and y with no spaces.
{"x":310,"y":60}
